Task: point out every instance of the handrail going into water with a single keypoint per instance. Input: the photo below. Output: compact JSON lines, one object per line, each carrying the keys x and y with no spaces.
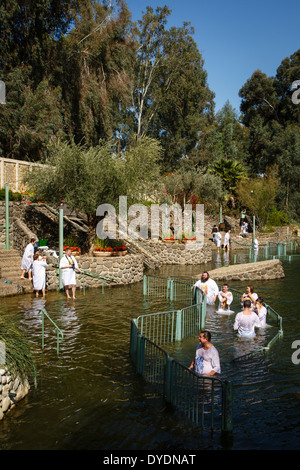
{"x":203,"y":399}
{"x":58,"y":331}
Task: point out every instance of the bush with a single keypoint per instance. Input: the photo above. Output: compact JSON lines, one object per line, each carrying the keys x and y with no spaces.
{"x":277,"y":217}
{"x":13,"y":196}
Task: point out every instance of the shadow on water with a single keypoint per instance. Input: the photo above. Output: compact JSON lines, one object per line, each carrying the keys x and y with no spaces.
{"x":90,"y":397}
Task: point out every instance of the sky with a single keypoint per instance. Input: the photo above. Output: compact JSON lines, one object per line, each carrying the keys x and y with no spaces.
{"x":235,"y":38}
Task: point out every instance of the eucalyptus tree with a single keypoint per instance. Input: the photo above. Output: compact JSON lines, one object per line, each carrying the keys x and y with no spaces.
{"x":170,"y":96}
{"x":95,"y":63}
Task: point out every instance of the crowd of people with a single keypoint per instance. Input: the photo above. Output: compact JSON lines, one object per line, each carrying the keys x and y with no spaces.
{"x":35,"y":265}
{"x":252,"y":315}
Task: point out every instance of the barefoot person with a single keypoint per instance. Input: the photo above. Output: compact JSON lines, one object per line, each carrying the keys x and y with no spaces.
{"x":39,"y":274}
{"x":27,"y":259}
{"x":69,"y":266}
{"x":207,"y":361}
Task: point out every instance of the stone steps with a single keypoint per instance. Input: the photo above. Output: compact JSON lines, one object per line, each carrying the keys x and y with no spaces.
{"x":10,"y":272}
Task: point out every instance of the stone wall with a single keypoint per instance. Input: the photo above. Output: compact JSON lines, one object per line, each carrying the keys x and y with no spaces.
{"x":16,"y":213}
{"x":12,"y":390}
{"x":179,"y":253}
{"x":13,"y":172}
{"x":261,"y":270}
{"x":125,"y":269}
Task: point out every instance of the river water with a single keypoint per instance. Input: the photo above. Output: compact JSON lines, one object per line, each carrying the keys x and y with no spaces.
{"x":90,"y":397}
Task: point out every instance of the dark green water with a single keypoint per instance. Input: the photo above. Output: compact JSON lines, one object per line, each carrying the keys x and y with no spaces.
{"x":91,"y":398}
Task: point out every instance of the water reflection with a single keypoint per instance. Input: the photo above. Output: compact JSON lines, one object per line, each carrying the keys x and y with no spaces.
{"x":90,"y":397}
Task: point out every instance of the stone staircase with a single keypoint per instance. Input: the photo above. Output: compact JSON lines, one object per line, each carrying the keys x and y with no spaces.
{"x":10,"y":272}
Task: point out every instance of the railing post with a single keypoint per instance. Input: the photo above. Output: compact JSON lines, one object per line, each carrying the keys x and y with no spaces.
{"x":227,"y":407}
{"x":145,"y":285}
{"x":171,"y":290}
{"x":140,"y":354}
{"x":178,"y":326}
{"x":7,"y":245}
{"x":168,"y":379}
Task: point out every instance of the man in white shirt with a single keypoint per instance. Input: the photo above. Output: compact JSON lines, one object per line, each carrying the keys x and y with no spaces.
{"x":207,"y":360}
{"x":225,"y":298}
{"x":209,"y":287}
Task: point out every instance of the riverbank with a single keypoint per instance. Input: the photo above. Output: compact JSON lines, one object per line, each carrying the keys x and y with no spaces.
{"x":260,"y":270}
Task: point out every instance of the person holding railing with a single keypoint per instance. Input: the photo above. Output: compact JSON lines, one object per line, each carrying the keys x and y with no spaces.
{"x":69,"y":266}
{"x":209,"y":287}
{"x":207,"y":360}
{"x":246,"y":321}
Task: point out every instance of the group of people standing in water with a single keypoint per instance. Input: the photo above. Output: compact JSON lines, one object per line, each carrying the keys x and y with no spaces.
{"x":253,"y":315}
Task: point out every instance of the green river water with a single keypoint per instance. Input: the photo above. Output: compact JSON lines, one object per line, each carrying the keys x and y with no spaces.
{"x":90,"y":397}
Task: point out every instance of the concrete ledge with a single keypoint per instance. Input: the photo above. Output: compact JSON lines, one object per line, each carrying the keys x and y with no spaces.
{"x":262,"y":270}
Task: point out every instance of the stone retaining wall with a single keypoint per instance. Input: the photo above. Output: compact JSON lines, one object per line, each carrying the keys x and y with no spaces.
{"x":126,"y":269}
{"x":179,"y":253}
{"x":12,"y":390}
{"x":262,"y":270}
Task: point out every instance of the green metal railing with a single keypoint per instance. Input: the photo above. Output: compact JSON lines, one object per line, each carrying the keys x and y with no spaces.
{"x":272,"y":314}
{"x":59,"y":333}
{"x":206,"y":401}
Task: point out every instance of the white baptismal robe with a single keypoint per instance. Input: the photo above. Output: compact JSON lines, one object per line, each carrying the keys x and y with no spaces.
{"x":229,"y":299}
{"x":39,"y":274}
{"x":68,"y":274}
{"x":27,"y":258}
{"x":210,"y":288}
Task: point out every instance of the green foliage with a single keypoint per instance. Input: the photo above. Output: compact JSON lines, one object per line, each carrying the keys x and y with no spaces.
{"x":258,"y":194}
{"x":12,"y":195}
{"x":85,"y":177}
{"x":18,"y":355}
{"x":230,"y":171}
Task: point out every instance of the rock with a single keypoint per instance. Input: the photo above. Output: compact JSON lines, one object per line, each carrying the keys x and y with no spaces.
{"x":5,"y":404}
{"x":270,"y":269}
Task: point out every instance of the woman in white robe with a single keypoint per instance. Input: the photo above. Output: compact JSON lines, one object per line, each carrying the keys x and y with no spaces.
{"x":39,"y":275}
{"x":27,"y":259}
{"x":69,"y":265}
{"x":261,"y":311}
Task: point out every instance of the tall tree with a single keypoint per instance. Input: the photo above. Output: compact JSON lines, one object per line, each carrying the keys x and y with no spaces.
{"x":170,"y":96}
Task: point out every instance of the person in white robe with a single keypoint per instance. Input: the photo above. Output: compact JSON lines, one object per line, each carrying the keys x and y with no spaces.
{"x":246,"y":321}
{"x":207,"y":360}
{"x":225,"y":299}
{"x":27,"y":259}
{"x":227,"y":240}
{"x":39,"y":274}
{"x":218,"y":240}
{"x":68,"y":264}
{"x":261,"y":311}
{"x":209,"y":287}
{"x":249,"y":294}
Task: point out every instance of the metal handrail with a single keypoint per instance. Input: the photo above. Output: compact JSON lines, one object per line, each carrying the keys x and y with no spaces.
{"x":58,"y":330}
